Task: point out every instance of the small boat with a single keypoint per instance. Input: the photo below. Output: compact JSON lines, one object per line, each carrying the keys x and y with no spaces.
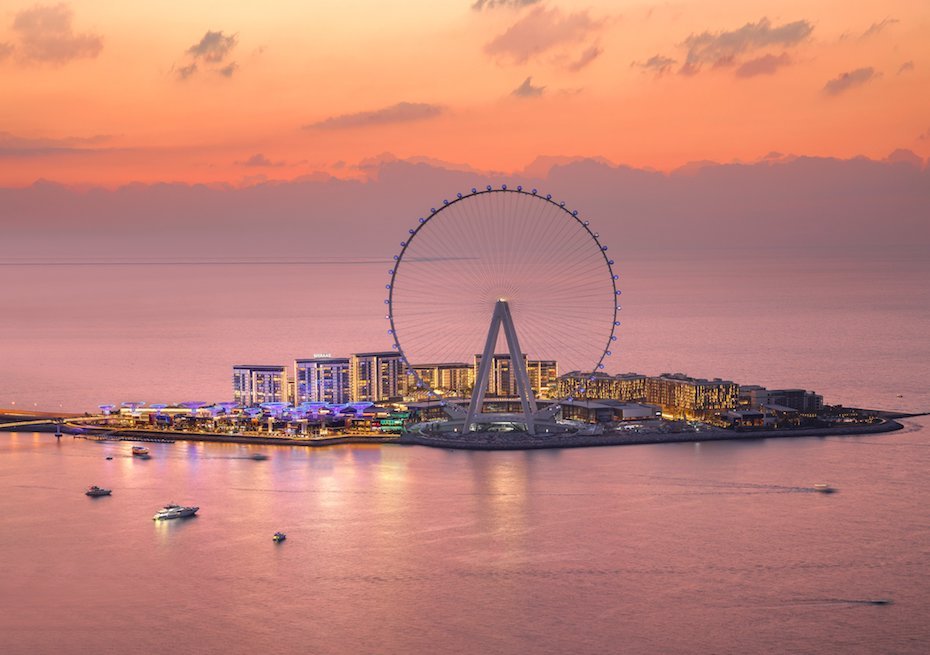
{"x":279,"y":537}
{"x":109,"y":456}
{"x":173,"y":511}
{"x":824,"y":488}
{"x":259,"y":457}
{"x":95,"y":491}
{"x":140,"y":450}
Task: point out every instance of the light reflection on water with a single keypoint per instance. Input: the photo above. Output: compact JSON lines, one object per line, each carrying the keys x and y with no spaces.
{"x":675,"y":548}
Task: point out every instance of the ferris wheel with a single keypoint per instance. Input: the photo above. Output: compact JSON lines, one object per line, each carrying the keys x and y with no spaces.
{"x":515,"y":259}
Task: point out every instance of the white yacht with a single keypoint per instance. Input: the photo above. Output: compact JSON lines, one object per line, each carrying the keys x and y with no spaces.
{"x":172,"y":511}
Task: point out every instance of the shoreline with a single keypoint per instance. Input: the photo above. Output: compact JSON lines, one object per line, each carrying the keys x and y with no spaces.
{"x":475,"y":441}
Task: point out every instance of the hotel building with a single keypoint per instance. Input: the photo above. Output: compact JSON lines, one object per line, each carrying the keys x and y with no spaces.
{"x":681,"y":396}
{"x":322,"y":379}
{"x":452,"y":379}
{"x":543,"y":375}
{"x":375,"y":376}
{"x":257,"y":384}
{"x":628,"y":387}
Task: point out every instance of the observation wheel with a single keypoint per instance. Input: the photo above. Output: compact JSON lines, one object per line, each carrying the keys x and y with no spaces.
{"x":515,"y":259}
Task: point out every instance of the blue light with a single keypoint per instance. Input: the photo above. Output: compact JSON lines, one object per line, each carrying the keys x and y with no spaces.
{"x":403,"y":244}
{"x":619,"y":292}
{"x":616,"y":322}
{"x":608,"y":353}
{"x":396,"y":257}
{"x":610,"y":261}
{"x":432,"y":210}
{"x":575,"y":213}
{"x":394,"y":346}
{"x":616,"y":277}
{"x":391,"y":272}
{"x":600,"y":366}
{"x":390,"y":331}
{"x":603,"y":247}
{"x":387,"y":286}
{"x":613,"y":337}
{"x":411,"y":231}
{"x":503,"y":187}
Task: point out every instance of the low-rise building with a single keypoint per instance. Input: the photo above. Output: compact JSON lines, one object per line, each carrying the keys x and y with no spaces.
{"x":628,"y":387}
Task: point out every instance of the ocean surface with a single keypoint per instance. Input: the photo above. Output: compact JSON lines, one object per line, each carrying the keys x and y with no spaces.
{"x":673,"y":548}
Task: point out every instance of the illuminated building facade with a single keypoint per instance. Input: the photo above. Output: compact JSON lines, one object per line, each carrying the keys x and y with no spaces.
{"x":375,"y":376}
{"x":257,"y":384}
{"x":451,"y":379}
{"x":628,"y":387}
{"x":502,"y":383}
{"x":322,"y":380}
{"x":801,"y":400}
{"x":681,"y":396}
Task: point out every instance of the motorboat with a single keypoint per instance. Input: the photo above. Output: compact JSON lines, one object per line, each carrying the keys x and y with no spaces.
{"x":279,"y":537}
{"x":259,"y":457}
{"x":95,"y":491}
{"x":140,"y":450}
{"x":824,"y":488}
{"x":173,"y":511}
{"x":109,"y":456}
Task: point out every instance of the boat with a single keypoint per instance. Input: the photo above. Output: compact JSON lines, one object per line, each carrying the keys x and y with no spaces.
{"x":95,"y":491}
{"x":109,"y":456}
{"x":824,"y":488}
{"x":279,"y":537}
{"x":259,"y":457}
{"x":140,"y":450}
{"x":173,"y":511}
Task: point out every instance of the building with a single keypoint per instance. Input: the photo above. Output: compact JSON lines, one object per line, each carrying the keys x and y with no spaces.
{"x":375,"y":376}
{"x":542,"y":373}
{"x":322,"y":379}
{"x":801,"y":400}
{"x":628,"y":387}
{"x":257,"y":384}
{"x":681,"y":396}
{"x":451,"y":379}
{"x":544,"y":376}
{"x":609,"y":411}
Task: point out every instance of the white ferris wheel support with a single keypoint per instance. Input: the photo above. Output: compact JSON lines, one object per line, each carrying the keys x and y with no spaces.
{"x":502,"y":318}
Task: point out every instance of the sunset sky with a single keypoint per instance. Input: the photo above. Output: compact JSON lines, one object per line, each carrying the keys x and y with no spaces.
{"x":102,"y":93}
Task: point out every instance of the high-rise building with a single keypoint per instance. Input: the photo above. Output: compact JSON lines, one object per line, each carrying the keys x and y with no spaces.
{"x":628,"y":387}
{"x":685,"y":397}
{"x":257,"y":384}
{"x":375,"y":376}
{"x":502,"y":383}
{"x":322,"y":379}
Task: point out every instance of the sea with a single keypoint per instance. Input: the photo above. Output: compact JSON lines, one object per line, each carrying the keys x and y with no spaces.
{"x":669,"y":548}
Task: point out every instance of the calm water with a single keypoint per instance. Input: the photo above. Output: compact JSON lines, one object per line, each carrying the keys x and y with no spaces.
{"x":678,"y":548}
